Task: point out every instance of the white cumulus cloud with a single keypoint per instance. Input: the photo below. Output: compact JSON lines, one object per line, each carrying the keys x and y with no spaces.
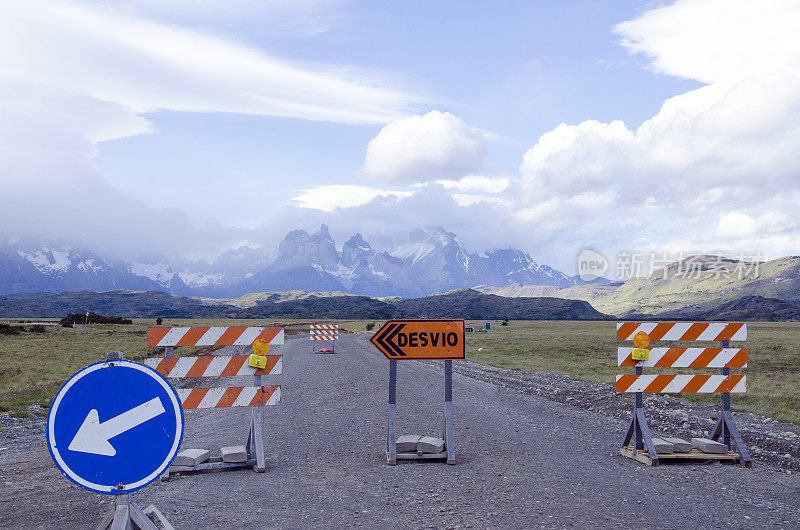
{"x":708,"y":167}
{"x":424,"y":148}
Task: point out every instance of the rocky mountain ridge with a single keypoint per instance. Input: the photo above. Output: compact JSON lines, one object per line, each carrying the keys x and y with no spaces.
{"x":432,"y":260}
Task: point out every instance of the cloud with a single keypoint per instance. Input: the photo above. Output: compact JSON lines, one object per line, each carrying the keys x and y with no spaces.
{"x":424,"y":148}
{"x":74,"y":74}
{"x":477,"y":183}
{"x":327,"y":198}
{"x":717,"y":40}
{"x":147,"y":66}
{"x":715,"y":168}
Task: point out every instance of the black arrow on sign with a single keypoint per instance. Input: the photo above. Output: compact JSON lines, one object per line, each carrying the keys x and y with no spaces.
{"x":384,"y":339}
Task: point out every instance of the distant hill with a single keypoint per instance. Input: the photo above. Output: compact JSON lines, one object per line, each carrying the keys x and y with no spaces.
{"x":468,"y":304}
{"x":752,"y":308}
{"x":699,"y":285}
{"x":333,"y":307}
{"x":132,"y":304}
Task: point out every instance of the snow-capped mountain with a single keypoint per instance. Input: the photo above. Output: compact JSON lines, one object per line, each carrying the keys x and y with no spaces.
{"x":431,"y":261}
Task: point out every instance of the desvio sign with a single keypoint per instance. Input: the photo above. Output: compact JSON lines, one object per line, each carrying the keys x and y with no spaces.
{"x":421,"y":339}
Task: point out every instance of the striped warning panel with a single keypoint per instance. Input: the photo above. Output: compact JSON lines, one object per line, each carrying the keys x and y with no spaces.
{"x":683,"y":330}
{"x":212,"y":366}
{"x":213,"y":336}
{"x":324,"y":337}
{"x":324,"y":332}
{"x":235,"y":396}
{"x":688,"y":384}
{"x":687,"y":358}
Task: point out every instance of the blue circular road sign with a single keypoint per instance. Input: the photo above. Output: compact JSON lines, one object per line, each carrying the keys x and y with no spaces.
{"x":114,"y":427}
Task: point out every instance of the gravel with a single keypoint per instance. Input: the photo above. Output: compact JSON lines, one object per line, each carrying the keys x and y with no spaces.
{"x":533,"y":450}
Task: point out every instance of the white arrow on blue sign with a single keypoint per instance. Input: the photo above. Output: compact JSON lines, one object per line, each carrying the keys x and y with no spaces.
{"x":115,"y":426}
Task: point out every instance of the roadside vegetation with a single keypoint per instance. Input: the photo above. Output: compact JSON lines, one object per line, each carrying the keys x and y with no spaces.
{"x":34,"y":364}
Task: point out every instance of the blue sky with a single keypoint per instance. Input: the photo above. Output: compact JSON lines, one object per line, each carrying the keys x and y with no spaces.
{"x":193,"y":126}
{"x":514,"y":72}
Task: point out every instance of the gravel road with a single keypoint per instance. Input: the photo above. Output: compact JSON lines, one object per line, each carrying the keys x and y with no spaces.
{"x":525,"y":460}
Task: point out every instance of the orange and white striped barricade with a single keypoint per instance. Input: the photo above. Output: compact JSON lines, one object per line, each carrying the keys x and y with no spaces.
{"x":323,"y":332}
{"x":257,"y":395}
{"x":638,"y":383}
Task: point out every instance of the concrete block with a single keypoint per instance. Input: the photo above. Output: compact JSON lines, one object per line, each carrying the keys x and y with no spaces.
{"x":679,"y":445}
{"x":407,"y":443}
{"x":158,"y":518}
{"x":234,"y":453}
{"x":429,"y":444}
{"x":709,"y":446}
{"x":191,"y":457}
{"x":663,"y":447}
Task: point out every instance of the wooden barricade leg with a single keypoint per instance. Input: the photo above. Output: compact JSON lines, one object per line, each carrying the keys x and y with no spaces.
{"x":391,"y":448}
{"x":126,"y":515}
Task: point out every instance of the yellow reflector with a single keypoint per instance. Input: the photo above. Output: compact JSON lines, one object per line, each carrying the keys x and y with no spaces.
{"x":261,"y":347}
{"x":640,"y":354}
{"x":257,"y":361}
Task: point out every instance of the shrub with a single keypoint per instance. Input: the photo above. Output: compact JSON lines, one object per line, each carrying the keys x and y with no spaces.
{"x":5,"y":329}
{"x":159,"y":321}
{"x":65,"y":324}
{"x":504,"y":323}
{"x":37,"y":328}
{"x":370,"y":326}
{"x":94,"y":318}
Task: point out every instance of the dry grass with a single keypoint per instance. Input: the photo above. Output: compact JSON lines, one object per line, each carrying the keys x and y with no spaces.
{"x":33,"y":366}
{"x":587,"y":350}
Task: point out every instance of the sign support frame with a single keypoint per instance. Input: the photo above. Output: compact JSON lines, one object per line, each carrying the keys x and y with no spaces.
{"x":392,"y":456}
{"x":125,"y":513}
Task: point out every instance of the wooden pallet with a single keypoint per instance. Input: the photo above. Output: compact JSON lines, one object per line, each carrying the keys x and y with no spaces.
{"x":422,"y":456}
{"x":695,"y":454}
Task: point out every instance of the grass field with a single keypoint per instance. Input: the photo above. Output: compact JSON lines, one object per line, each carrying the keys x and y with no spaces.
{"x":34,"y":365}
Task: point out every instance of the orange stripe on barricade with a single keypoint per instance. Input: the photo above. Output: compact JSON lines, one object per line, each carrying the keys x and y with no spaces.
{"x":272,"y":360}
{"x":729,"y":331}
{"x":154,"y":335}
{"x":739,"y":360}
{"x":194,"y":398}
{"x":268,"y":334}
{"x":261,"y":398}
{"x":670,"y":357}
{"x":705,"y":358}
{"x":165,"y":365}
{"x":695,"y":384}
{"x":229,"y":396}
{"x":199,"y":366}
{"x":625,"y":330}
{"x":659,"y":383}
{"x":625,"y":382}
{"x":191,"y":337}
{"x":234,"y":365}
{"x":694,"y":331}
{"x":230,"y":335}
{"x":660,"y":330}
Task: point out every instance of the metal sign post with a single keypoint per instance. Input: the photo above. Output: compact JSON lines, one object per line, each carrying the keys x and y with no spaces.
{"x":421,"y":339}
{"x":113,"y":428}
